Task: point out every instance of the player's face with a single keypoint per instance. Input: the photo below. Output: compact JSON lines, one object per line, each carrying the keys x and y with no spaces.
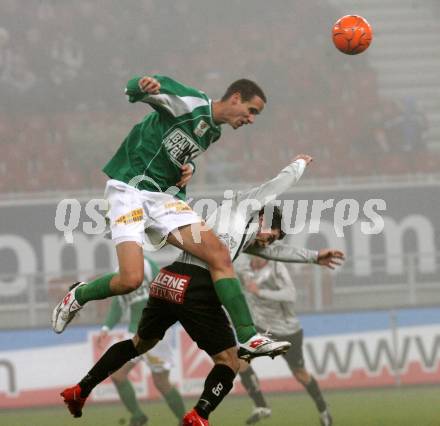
{"x":266,"y":236}
{"x":244,"y":112}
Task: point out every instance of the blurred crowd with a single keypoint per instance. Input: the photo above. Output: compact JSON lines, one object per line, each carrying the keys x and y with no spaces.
{"x":63,"y":67}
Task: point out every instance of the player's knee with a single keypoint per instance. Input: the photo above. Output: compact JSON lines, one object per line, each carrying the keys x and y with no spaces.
{"x":142,"y":345}
{"x":132,"y":280}
{"x":162,"y":383}
{"x":118,"y":378}
{"x":301,"y":375}
{"x":230,"y":358}
{"x":234,"y":364}
{"x":220,"y":258}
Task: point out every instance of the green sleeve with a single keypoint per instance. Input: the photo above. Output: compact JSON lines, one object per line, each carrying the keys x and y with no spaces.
{"x":168,"y":86}
{"x":114,"y":314}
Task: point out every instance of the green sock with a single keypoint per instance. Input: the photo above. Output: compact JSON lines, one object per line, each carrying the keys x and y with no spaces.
{"x":175,"y":402}
{"x":94,"y":290}
{"x":128,"y":397}
{"x":232,"y":298}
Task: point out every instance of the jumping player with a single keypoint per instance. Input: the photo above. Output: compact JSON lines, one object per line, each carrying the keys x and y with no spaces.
{"x":146,"y":190}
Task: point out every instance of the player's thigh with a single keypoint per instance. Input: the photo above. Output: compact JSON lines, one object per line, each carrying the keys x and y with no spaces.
{"x":165,"y":214}
{"x":202,"y":243}
{"x":208,"y":326}
{"x":157,"y":317}
{"x":126,"y":215}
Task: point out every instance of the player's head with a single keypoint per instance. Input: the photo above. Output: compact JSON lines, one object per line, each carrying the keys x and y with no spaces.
{"x":241,"y":103}
{"x":269,"y":231}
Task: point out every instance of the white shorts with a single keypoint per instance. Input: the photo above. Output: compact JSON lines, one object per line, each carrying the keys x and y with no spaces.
{"x":132,"y":212}
{"x":159,"y":358}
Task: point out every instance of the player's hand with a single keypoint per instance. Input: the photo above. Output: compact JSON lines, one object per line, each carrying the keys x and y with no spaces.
{"x":252,"y":287}
{"x":149,"y":85}
{"x":187,"y":171}
{"x":103,"y":335}
{"x":307,"y":158}
{"x":330,"y":258}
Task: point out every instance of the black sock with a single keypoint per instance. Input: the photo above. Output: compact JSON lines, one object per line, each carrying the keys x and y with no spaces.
{"x":115,"y":357}
{"x":313,"y":390}
{"x":252,"y":385}
{"x":217,"y":386}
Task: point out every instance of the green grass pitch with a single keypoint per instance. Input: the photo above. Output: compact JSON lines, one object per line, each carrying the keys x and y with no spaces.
{"x":415,"y":406}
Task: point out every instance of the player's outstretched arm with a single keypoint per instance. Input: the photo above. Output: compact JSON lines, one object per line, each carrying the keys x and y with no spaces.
{"x":330,"y":258}
{"x":271,"y":189}
{"x":165,"y":94}
{"x":284,"y":253}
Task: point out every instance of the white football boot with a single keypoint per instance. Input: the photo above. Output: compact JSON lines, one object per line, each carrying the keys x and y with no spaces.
{"x":66,"y":310}
{"x":262,"y":345}
{"x":258,"y":413}
{"x":326,"y":418}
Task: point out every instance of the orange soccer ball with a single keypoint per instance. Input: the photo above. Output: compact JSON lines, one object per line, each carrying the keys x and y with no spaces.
{"x":352,"y":34}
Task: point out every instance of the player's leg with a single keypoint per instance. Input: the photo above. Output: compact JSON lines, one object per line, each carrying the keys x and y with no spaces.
{"x":217,"y":385}
{"x":312,"y":387}
{"x":204,"y":244}
{"x":295,"y":361}
{"x":160,"y":361}
{"x":129,"y":278}
{"x":127,"y":222}
{"x":127,"y":394}
{"x":152,"y":327}
{"x":257,"y":345}
{"x":172,"y":396}
{"x":209,"y":327}
{"x":113,"y":359}
{"x":250,"y":382}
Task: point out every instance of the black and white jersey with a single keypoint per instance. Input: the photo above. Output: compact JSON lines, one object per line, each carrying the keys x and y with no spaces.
{"x":235,"y":221}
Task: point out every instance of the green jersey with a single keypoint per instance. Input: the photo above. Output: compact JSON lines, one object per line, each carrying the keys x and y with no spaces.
{"x":180,"y":129}
{"x":133,"y":302}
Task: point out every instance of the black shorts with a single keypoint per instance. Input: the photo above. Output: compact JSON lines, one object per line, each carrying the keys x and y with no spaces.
{"x":294,"y":356}
{"x":185,"y":293}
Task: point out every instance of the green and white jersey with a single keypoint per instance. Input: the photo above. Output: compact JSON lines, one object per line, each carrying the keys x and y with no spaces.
{"x":179,"y":130}
{"x":133,"y":302}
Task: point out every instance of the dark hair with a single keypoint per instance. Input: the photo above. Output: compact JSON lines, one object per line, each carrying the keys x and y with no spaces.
{"x":277,"y":218}
{"x":247,"y":89}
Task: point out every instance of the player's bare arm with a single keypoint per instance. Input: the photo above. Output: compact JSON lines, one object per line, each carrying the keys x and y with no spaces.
{"x":330,"y":258}
{"x":149,"y":85}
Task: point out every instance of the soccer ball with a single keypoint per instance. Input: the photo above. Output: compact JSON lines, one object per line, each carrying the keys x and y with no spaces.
{"x":352,"y":34}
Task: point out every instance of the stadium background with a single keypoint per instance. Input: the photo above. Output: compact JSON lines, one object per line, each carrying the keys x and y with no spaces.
{"x":372,"y":123}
